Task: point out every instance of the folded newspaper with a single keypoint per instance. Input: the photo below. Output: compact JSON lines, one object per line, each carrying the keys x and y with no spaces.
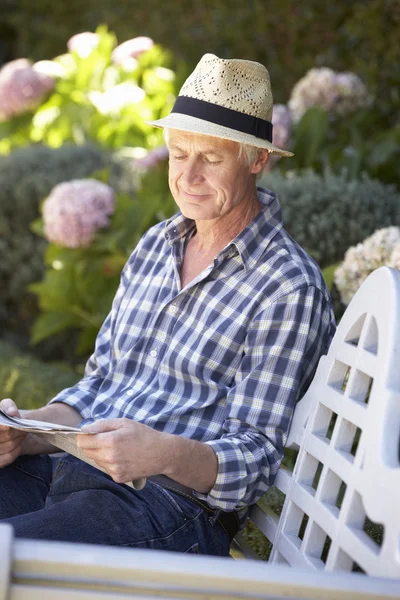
{"x":61,"y":436}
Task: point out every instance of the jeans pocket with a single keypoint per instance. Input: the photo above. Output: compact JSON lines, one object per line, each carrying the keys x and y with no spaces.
{"x":58,"y":467}
{"x":182,"y":505}
{"x":194,"y":549}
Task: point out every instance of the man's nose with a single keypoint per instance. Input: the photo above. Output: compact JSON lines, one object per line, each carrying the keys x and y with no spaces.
{"x":192,"y":172}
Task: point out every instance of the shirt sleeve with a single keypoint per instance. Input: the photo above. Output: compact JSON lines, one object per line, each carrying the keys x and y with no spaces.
{"x":282,"y":350}
{"x":82,"y":395}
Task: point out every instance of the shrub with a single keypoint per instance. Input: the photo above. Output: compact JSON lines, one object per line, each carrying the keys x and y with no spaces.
{"x":380,"y":249}
{"x":290,"y":39}
{"x":103,"y":94}
{"x":26,"y":177}
{"x":28,"y":381}
{"x":80,"y":282}
{"x":326,"y":214}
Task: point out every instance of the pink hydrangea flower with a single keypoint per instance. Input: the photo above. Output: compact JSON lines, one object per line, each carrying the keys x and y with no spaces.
{"x":22,"y":88}
{"x":152,"y":158}
{"x":282,"y":125}
{"x":83,"y":43}
{"x":75,"y":210}
{"x":339,"y":93}
{"x":131,"y":49}
{"x":281,"y":131}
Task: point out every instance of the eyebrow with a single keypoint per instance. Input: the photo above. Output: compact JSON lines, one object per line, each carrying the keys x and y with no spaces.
{"x":174,"y":146}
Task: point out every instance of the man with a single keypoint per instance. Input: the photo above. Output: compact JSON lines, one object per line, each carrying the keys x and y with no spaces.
{"x":214,"y":334}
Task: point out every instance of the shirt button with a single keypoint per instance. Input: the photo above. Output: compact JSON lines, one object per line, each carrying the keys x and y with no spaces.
{"x":173,"y":309}
{"x":153,"y":353}
{"x":129,"y":393}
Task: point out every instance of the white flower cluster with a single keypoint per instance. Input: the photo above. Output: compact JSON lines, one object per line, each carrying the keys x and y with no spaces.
{"x":75,"y":210}
{"x":21,"y":88}
{"x":124,"y":54}
{"x":83,"y":43}
{"x":380,"y":249}
{"x":352,"y":93}
{"x":339,"y":93}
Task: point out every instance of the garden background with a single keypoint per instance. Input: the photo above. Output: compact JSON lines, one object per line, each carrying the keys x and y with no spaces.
{"x":82,"y":176}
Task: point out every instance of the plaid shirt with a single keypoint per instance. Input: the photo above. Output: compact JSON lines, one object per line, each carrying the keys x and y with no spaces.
{"x":223,"y":360}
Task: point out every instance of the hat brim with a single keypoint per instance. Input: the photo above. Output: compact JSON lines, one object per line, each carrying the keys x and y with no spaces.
{"x":194,"y":125}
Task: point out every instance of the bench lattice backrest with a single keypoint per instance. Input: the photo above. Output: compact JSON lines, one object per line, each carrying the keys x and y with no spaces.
{"x":342,"y":500}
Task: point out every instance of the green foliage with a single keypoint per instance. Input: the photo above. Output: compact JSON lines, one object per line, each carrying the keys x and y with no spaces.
{"x":353,"y":144}
{"x":309,"y":139}
{"x":94,"y":101}
{"x":97,"y":101}
{"x":328,"y":274}
{"x":289,"y":37}
{"x":26,"y":177}
{"x":328,"y":213}
{"x":79,"y":284}
{"x":382,"y":154}
{"x":28,"y":381}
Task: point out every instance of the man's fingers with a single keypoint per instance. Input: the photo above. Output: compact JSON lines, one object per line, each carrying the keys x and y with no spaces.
{"x":9,"y":458}
{"x":6,"y":447}
{"x":9,"y":407}
{"x":102,"y":426}
{"x":9,"y":434}
{"x":95,"y":442}
{"x":10,"y":438}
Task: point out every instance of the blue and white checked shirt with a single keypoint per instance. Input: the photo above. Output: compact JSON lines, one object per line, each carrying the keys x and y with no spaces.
{"x":221,"y":361}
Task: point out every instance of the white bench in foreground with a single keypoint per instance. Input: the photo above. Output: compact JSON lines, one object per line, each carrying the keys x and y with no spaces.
{"x":346,"y":479}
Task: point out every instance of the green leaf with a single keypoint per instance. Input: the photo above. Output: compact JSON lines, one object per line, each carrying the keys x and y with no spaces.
{"x":102,"y":175}
{"x":328,"y":274}
{"x":310,"y":136}
{"x":86,"y":340}
{"x":56,"y":290}
{"x":37,"y":227}
{"x":383,"y":152}
{"x":51,"y":323}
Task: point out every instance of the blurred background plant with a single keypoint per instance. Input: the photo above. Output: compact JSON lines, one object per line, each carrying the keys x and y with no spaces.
{"x":378,"y":250}
{"x":83,"y":260}
{"x":97,"y":92}
{"x":27,"y":176}
{"x":292,"y":38}
{"x":81,"y":113}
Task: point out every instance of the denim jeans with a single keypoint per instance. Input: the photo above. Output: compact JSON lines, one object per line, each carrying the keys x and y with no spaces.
{"x":67,"y":500}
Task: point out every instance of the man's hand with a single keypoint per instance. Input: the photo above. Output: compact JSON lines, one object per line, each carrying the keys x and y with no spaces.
{"x":125,"y":449}
{"x":11,"y":440}
{"x":128,"y":450}
{"x":14,"y":443}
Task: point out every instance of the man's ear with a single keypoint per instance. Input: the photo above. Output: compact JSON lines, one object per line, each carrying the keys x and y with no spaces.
{"x":260,"y":162}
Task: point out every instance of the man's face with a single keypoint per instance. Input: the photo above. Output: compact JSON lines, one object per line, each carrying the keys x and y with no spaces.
{"x":206,"y":178}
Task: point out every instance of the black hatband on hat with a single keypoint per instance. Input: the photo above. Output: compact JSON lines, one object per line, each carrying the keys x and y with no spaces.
{"x":226,"y":117}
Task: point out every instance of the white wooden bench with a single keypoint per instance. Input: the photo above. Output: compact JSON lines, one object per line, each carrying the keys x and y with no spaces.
{"x":346,"y":478}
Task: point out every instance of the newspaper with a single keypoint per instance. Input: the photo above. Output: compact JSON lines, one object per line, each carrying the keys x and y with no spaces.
{"x":61,"y":436}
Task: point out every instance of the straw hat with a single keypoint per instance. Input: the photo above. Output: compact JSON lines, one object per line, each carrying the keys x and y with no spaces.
{"x":226,"y":98}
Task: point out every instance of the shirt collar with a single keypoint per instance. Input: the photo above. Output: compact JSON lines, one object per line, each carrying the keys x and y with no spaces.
{"x":251,"y":241}
{"x":177,"y":227}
